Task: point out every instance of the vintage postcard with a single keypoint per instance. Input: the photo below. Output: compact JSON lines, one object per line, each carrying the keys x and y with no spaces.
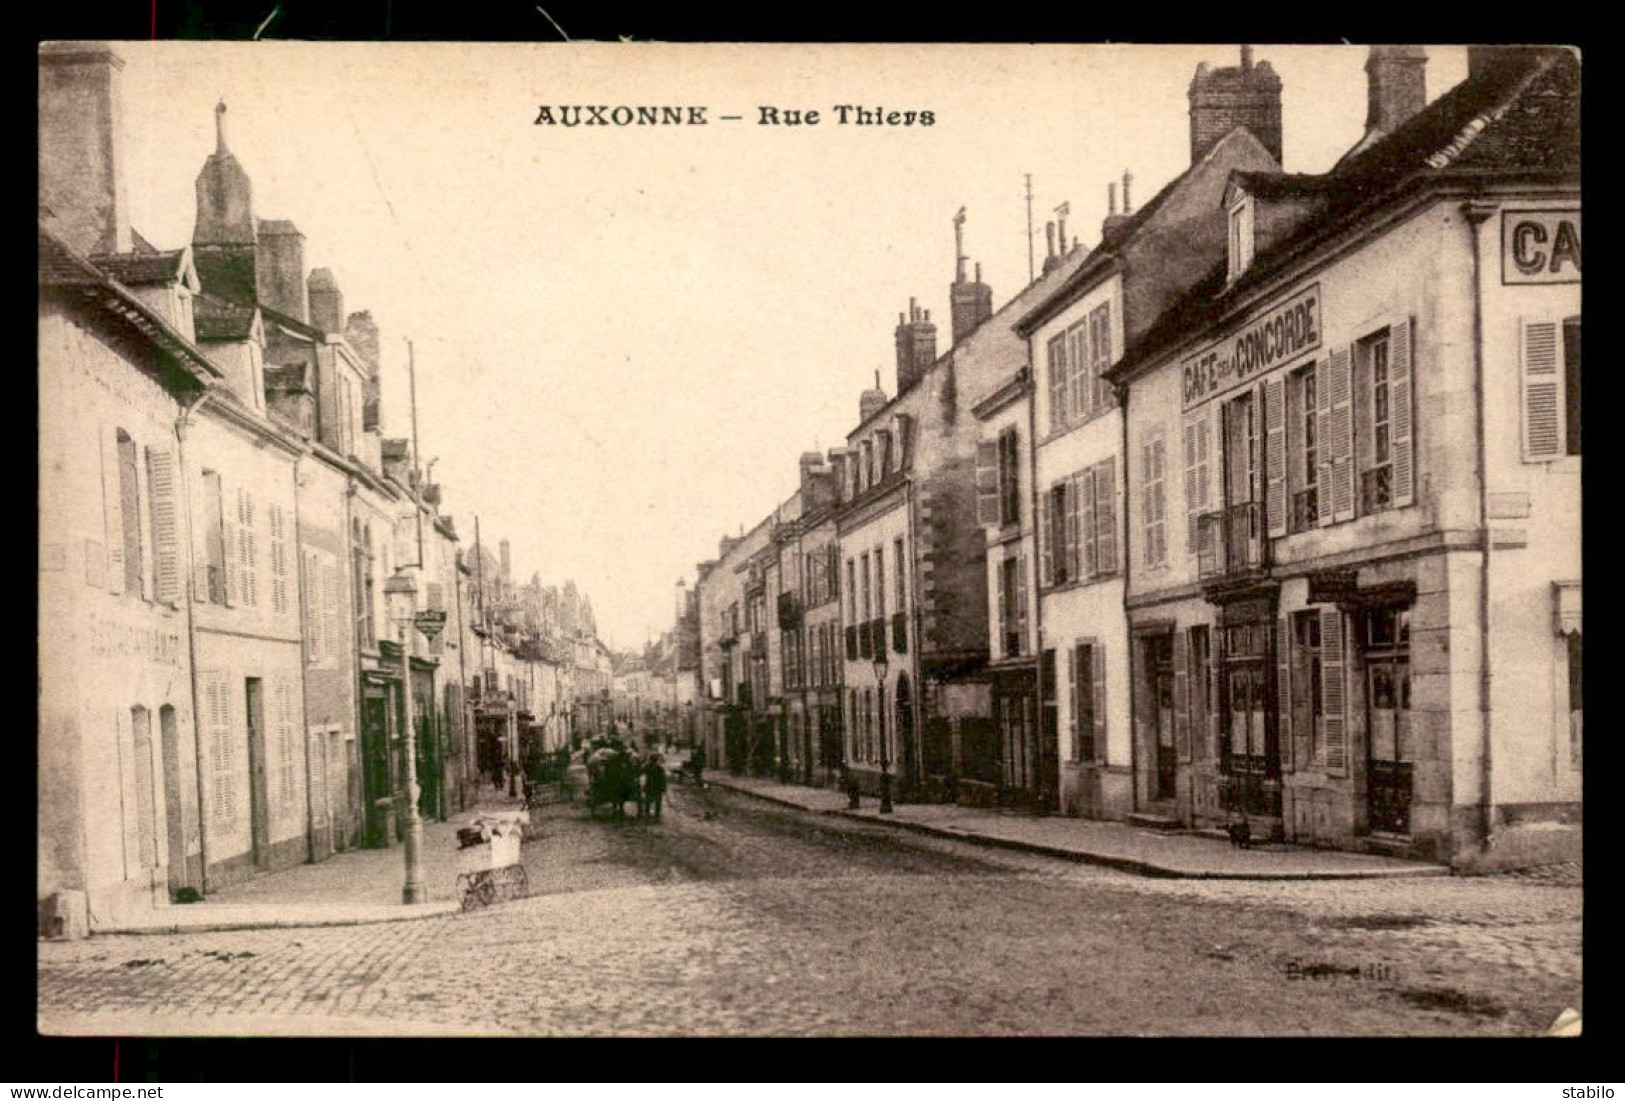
{"x":591,"y":539}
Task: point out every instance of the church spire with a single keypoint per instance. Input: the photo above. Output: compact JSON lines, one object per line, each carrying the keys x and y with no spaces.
{"x":220,"y":129}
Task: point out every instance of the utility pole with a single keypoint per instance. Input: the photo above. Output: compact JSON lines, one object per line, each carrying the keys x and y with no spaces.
{"x":1031,"y":271}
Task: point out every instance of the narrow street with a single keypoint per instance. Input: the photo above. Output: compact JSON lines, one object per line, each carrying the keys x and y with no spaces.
{"x":766,"y":921}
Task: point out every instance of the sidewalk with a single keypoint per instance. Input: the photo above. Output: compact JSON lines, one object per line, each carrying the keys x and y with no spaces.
{"x":357,"y":887}
{"x":1182,"y":855}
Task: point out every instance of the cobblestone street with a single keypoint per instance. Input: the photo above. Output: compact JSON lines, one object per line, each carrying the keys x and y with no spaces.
{"x":767,"y":921}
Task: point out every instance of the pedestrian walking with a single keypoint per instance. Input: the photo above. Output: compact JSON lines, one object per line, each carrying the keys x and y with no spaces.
{"x":696,"y":765}
{"x":654,"y":785}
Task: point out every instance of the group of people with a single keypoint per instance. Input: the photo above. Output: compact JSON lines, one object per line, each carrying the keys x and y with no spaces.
{"x":618,"y":774}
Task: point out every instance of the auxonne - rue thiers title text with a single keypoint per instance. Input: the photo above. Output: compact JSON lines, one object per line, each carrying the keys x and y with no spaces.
{"x":842,"y":114}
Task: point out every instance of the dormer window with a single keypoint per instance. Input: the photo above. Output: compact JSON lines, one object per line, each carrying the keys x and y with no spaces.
{"x":1241,"y":234}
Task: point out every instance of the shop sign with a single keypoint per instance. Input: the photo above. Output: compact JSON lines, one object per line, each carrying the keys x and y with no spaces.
{"x":1333,"y":586}
{"x":1279,"y":335}
{"x":1540,"y":246}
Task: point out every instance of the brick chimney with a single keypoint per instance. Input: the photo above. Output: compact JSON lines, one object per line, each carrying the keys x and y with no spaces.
{"x":916,"y":346}
{"x":279,"y":271}
{"x":81,"y":119}
{"x":1396,"y":86}
{"x":969,"y":303}
{"x":1246,"y":95}
{"x":326,"y":301}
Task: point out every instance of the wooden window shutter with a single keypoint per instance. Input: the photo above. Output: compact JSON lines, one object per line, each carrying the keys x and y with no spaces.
{"x":1283,"y":692}
{"x":1543,"y":425}
{"x":1021,"y":600}
{"x":987,"y":483}
{"x":1340,"y":442}
{"x":1076,"y":709}
{"x":1081,"y":523}
{"x":1004,"y":612}
{"x":1076,"y":534}
{"x":251,"y":565}
{"x":1106,"y":517}
{"x":1401,"y":387}
{"x":1182,"y":718}
{"x":287,"y":759}
{"x":1273,"y":391}
{"x":1332,"y":690}
{"x":1323,"y":439}
{"x":112,"y":512}
{"x":1057,"y":382}
{"x":1097,"y":667}
{"x":279,"y":573}
{"x":1046,"y":552}
{"x":165,"y":526}
{"x":231,"y":530}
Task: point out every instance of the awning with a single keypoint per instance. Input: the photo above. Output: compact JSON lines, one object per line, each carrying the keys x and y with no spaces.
{"x":1566,"y":600}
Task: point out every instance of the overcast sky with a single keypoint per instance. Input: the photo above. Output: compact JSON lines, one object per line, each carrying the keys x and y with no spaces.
{"x":626,"y":336}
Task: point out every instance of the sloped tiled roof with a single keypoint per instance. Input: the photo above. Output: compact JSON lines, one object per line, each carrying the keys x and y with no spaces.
{"x":62,"y":267}
{"x":1518,"y":115}
{"x":215,"y":318}
{"x":135,"y":269}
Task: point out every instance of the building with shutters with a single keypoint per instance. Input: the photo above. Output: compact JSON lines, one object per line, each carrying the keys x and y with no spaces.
{"x":1145,"y":260}
{"x":1364,"y":631}
{"x":808,"y":614}
{"x":119,"y":371}
{"x":724,"y":707}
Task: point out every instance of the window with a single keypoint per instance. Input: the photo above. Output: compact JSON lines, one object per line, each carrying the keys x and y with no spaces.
{"x":1154,"y":505}
{"x":214,"y":548}
{"x":851,"y":593}
{"x":1100,"y":355}
{"x":1080,"y":385}
{"x":1062,"y":510}
{"x":1009,"y":480}
{"x":880,"y":584}
{"x":868,"y":603}
{"x":885,"y":453}
{"x":1383,"y":421}
{"x":1241,"y":236}
{"x":1303,"y":477}
{"x":129,"y":510}
{"x":279,"y":559}
{"x":868,"y":463}
{"x":1308,"y":704}
{"x":1200,"y":691}
{"x":897,"y":573}
{"x":247,"y":550}
{"x":166,"y":576}
{"x":1012,"y":606}
{"x":1057,"y":383}
{"x":1088,"y":718}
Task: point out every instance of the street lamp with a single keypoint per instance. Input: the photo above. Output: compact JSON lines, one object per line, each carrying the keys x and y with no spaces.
{"x":880,"y":715}
{"x":402,"y":593}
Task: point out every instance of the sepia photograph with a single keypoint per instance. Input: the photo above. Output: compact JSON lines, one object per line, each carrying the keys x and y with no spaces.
{"x":634,"y":539}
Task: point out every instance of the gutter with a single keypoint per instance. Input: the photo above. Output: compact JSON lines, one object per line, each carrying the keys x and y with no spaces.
{"x":181,"y":424}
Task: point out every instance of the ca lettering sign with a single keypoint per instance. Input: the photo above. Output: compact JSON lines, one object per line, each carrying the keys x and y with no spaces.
{"x":1281,"y":334}
{"x":1540,"y":246}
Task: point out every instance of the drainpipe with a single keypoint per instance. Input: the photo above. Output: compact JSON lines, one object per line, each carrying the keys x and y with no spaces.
{"x":360,"y":680}
{"x":1121,"y":392}
{"x":1476,"y":214}
{"x":1036,"y":500}
{"x":462,"y":689}
{"x":304,"y":662}
{"x":182,"y":423}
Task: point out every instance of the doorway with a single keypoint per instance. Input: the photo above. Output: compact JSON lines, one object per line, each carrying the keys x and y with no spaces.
{"x":907,"y":754}
{"x":259,"y":825}
{"x":1388,"y":720}
{"x":146,"y":801}
{"x":174,"y":810}
{"x":377,"y":790}
{"x":1250,"y":752}
{"x":1158,"y":654}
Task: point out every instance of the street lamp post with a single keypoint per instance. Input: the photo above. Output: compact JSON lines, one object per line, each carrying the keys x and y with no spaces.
{"x":401,"y":592}
{"x":880,"y":715}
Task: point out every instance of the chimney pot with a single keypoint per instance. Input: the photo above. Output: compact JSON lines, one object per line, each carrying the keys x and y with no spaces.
{"x":1396,"y":86}
{"x":1049,"y":232}
{"x":1111,"y":198}
{"x":1127,"y":178}
{"x":1246,"y":59}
